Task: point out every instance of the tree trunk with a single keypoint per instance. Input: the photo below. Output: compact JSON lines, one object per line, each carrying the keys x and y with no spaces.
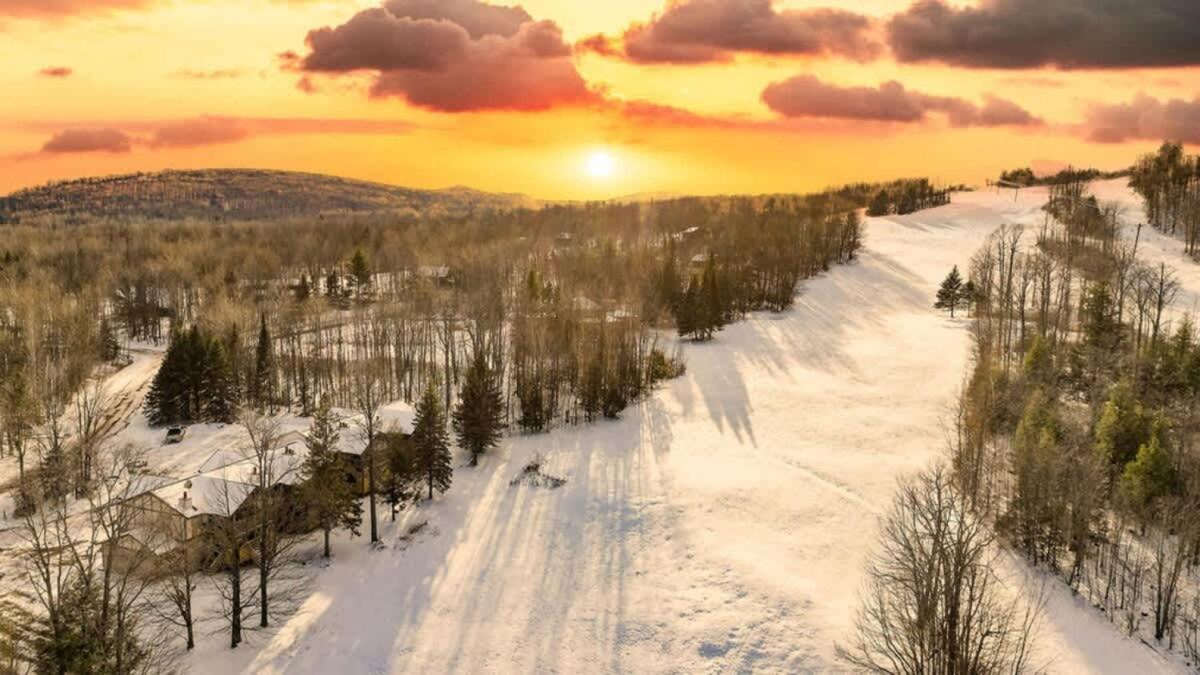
{"x":327,"y":542}
{"x":235,"y":576}
{"x":371,"y":491}
{"x":263,"y":572}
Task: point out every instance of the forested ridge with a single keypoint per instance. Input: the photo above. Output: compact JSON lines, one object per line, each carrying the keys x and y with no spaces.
{"x":234,"y":194}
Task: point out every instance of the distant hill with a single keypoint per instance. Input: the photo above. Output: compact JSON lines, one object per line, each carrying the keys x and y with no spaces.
{"x":237,"y":194}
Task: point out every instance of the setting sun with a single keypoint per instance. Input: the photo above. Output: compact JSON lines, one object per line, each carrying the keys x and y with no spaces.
{"x":600,"y":164}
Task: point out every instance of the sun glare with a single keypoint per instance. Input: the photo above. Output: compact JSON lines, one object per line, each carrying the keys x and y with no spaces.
{"x":600,"y":164}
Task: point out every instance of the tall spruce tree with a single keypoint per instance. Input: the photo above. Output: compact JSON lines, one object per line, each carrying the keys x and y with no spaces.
{"x":881,"y":204}
{"x":479,"y":416}
{"x":162,"y":401}
{"x":329,"y":481}
{"x":713,"y":309}
{"x":360,"y":270}
{"x":263,"y":390}
{"x":950,"y":294}
{"x":688,"y":316}
{"x":220,"y":397}
{"x":431,"y":442}
{"x":402,"y":481}
{"x":195,"y":382}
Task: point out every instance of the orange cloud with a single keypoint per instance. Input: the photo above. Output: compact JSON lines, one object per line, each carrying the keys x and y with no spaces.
{"x":56,"y":72}
{"x":806,"y":96}
{"x":44,"y":9}
{"x":451,"y":56}
{"x":88,"y":140}
{"x":203,"y":131}
{"x":1144,"y":118}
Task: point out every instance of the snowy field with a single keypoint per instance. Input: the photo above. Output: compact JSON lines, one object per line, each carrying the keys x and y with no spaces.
{"x":720,"y":526}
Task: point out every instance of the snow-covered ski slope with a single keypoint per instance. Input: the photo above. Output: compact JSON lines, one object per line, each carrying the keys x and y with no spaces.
{"x":719,"y":527}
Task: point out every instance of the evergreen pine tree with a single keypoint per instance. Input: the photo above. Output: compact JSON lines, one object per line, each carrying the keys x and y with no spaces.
{"x":329,"y":484}
{"x":712,"y":310}
{"x":220,"y":404}
{"x":431,"y":442}
{"x":670,"y":289}
{"x":533,"y":404}
{"x":402,"y":482}
{"x":1123,"y":427}
{"x":688,"y":318}
{"x":110,"y":348}
{"x":479,"y":416}
{"x":264,"y":369}
{"x":1039,"y":363}
{"x":1101,"y":330}
{"x":880,"y":205}
{"x":162,"y":403}
{"x":969,"y":295}
{"x":361,"y":271}
{"x":53,"y":472}
{"x":949,"y":296}
{"x":1152,"y":474}
{"x":233,"y":354}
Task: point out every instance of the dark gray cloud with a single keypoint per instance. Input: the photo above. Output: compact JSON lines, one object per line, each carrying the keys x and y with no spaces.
{"x":88,"y":140}
{"x":451,"y":56}
{"x":701,"y":31}
{"x":1145,"y":118}
{"x":806,"y":96}
{"x":1067,"y":34}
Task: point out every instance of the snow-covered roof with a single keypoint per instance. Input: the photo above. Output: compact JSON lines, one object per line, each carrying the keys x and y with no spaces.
{"x":228,"y":477}
{"x":398,"y":417}
{"x":205,"y":495}
{"x":284,"y":467}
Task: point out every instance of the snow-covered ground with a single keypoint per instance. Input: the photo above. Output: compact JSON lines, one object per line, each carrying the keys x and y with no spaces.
{"x":720,"y":526}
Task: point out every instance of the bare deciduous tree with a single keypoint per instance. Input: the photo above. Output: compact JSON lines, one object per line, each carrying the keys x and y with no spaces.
{"x":933,"y":603}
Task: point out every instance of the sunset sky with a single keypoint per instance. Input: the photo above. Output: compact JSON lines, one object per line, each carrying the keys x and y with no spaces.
{"x":599,"y":98}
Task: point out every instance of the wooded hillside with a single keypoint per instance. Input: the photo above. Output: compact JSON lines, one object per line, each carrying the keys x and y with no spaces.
{"x":236,"y":194}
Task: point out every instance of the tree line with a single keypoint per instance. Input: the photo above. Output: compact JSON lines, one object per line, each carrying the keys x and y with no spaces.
{"x":1075,"y":431}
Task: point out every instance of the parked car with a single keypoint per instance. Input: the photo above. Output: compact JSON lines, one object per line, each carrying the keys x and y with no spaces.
{"x":175,"y":435}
